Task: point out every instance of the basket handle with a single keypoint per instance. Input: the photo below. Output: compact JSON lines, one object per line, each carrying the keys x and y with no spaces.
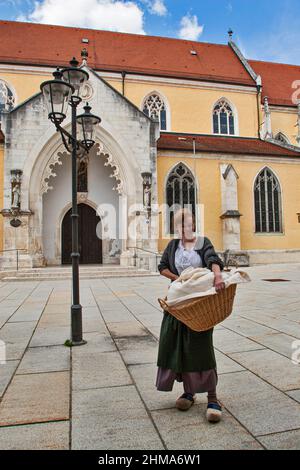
{"x":163,"y":304}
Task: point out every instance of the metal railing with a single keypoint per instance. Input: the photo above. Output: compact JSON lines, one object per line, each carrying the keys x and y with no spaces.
{"x":227,"y":257}
{"x":157,"y":255}
{"x":17,"y":250}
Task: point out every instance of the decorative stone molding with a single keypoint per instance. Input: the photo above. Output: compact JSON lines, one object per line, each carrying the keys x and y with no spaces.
{"x":82,"y":197}
{"x":49,"y":171}
{"x":57,"y":158}
{"x":231,"y":213}
{"x":87,"y":92}
{"x":286,"y":145}
{"x":8,"y":213}
{"x":228,"y":169}
{"x":119,"y":187}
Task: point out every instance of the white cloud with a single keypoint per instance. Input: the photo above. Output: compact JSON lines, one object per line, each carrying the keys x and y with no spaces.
{"x":190,"y":29}
{"x":157,"y":7}
{"x":114,"y":15}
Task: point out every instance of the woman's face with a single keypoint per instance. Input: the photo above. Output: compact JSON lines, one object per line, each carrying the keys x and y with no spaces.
{"x":185,"y":229}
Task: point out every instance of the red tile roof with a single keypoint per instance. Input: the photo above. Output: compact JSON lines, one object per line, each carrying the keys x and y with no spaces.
{"x":277,"y":80}
{"x":221,"y":144}
{"x":38,"y":44}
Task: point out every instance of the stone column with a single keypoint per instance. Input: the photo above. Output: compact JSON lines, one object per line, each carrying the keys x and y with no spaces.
{"x":231,"y":217}
{"x":230,"y":213}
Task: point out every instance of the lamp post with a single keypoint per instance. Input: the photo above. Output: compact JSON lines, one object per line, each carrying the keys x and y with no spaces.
{"x":65,"y":90}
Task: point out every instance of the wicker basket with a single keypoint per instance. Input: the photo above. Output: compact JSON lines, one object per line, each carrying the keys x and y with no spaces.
{"x":203,"y":313}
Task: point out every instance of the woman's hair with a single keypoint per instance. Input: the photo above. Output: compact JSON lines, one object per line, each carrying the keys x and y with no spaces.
{"x":181,"y":215}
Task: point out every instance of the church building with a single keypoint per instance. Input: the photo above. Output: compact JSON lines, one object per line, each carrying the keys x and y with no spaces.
{"x":182,"y":123}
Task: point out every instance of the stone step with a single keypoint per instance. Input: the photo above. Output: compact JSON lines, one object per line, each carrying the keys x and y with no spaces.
{"x":59,"y":275}
{"x":64,"y":271}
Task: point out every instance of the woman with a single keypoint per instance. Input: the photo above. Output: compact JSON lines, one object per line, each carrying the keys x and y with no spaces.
{"x":186,"y":355}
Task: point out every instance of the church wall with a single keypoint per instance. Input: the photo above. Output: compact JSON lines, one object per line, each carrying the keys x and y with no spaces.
{"x":285,"y":122}
{"x":289,"y":177}
{"x":25,"y":84}
{"x":191,"y":107}
{"x":209,"y":194}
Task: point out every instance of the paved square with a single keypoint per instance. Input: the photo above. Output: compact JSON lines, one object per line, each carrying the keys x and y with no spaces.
{"x":103,"y":396}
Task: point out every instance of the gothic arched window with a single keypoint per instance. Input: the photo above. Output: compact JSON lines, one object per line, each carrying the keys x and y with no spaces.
{"x":280,"y":137}
{"x":7,"y":99}
{"x":154,"y":107}
{"x":267,"y":202}
{"x":180,"y":193}
{"x":223,"y":118}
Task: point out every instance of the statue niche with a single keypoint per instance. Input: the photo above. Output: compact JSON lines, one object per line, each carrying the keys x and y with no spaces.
{"x":82,"y":177}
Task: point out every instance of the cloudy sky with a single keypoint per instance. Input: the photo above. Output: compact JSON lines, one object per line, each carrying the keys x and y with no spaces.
{"x":263,"y":29}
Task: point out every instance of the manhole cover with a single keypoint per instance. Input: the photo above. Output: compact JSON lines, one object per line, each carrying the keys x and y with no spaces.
{"x":276,"y":280}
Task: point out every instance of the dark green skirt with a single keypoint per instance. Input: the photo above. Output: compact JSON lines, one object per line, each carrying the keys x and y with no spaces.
{"x":184,"y":350}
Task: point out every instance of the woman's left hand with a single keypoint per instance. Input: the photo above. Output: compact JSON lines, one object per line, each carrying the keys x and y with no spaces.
{"x":219,"y":284}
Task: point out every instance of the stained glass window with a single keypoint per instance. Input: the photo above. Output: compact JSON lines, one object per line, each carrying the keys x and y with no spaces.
{"x":281,"y":138}
{"x":223,"y":118}
{"x":154,"y":107}
{"x":180,"y":193}
{"x":267,"y":202}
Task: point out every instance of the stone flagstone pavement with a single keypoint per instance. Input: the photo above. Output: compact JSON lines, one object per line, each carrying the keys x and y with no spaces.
{"x":103,"y":396}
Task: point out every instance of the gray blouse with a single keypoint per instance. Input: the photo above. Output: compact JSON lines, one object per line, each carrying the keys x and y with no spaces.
{"x":185,"y":258}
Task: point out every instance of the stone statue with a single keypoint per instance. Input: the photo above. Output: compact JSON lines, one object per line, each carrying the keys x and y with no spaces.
{"x":147,"y":197}
{"x":82,"y":177}
{"x":16,"y":195}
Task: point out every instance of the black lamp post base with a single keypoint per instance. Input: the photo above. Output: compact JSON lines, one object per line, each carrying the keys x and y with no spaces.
{"x":77,"y":343}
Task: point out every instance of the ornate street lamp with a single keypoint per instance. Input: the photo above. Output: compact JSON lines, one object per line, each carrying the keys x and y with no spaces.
{"x":75,"y":76}
{"x":58,"y":93}
{"x":87,"y":123}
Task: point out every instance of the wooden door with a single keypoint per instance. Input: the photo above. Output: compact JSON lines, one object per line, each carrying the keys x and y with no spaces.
{"x":90,"y":246}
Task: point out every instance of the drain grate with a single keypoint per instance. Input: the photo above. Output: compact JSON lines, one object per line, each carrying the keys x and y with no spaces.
{"x":277,"y":280}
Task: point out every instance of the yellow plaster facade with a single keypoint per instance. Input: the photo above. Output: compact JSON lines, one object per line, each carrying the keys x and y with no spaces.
{"x":189,"y":110}
{"x":207,"y":171}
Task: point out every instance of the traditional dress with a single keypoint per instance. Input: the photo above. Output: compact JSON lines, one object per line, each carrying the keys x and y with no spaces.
{"x":186,"y":355}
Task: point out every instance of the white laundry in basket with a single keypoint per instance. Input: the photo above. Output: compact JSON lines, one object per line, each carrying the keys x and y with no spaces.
{"x":198,"y":282}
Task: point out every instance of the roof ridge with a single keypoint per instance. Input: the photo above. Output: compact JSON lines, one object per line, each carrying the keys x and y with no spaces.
{"x":212,"y":135}
{"x":167,"y":141}
{"x":114,"y":32}
{"x":274,"y":63}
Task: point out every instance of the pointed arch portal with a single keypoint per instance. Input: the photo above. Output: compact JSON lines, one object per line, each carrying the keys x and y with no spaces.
{"x":90,"y":246}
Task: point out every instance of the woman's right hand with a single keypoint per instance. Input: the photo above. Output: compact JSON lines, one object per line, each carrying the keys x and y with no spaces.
{"x":173,"y":279}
